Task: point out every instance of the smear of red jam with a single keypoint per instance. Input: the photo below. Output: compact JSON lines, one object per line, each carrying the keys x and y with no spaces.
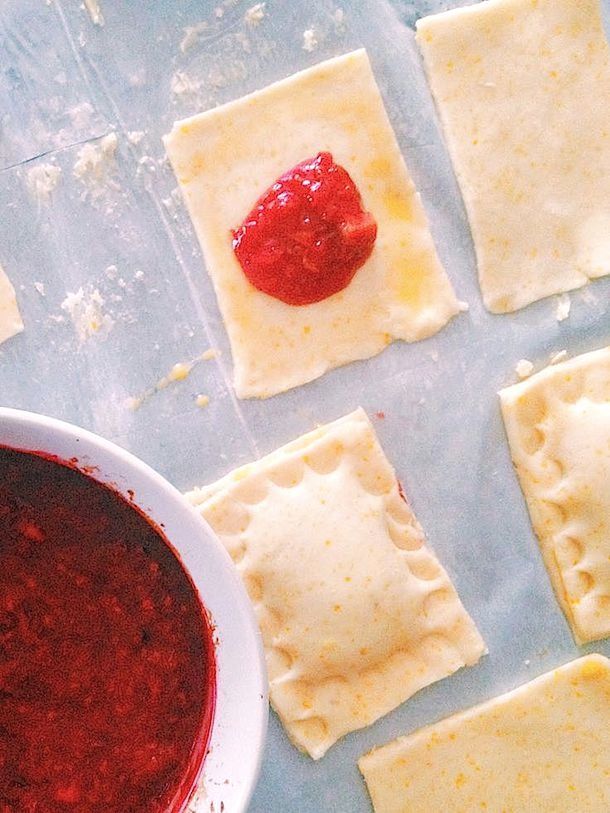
{"x":307,"y":235}
{"x":107,"y":675}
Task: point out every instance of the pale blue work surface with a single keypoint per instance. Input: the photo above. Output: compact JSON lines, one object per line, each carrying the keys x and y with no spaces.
{"x":64,"y":80}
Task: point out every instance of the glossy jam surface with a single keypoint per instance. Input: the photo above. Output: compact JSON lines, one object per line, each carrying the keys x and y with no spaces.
{"x":307,"y":235}
{"x":107,"y":676}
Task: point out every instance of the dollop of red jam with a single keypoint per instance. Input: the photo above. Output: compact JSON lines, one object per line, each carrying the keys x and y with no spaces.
{"x":107,"y":675}
{"x":307,"y":235}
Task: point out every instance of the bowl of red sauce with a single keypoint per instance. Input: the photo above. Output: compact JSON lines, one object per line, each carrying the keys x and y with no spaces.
{"x":132,"y":678}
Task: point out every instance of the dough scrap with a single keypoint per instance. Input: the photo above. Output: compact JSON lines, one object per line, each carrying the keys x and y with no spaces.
{"x":542,"y":748}
{"x":523,"y":92}
{"x":558,"y":427}
{"x":10,"y":318}
{"x":226,"y":158}
{"x":355,"y":611}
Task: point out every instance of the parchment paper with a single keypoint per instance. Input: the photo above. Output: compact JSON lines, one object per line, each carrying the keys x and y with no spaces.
{"x":124,"y":233}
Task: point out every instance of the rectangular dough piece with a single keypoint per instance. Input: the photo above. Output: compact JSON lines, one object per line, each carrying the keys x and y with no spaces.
{"x":355,"y":611}
{"x":226,"y":158}
{"x":558,"y":427}
{"x":542,"y":748}
{"x":523,"y":92}
{"x":10,"y":319}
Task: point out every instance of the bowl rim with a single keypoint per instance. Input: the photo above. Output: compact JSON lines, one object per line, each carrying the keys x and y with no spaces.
{"x":208,"y":795}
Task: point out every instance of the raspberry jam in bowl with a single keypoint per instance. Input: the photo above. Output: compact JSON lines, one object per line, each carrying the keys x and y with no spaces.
{"x":131,"y":673}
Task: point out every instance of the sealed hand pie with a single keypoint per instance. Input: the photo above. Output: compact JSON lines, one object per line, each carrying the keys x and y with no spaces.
{"x":355,"y":611}
{"x":312,"y":231}
{"x":523,"y":91}
{"x":542,"y":748}
{"x":558,"y":426}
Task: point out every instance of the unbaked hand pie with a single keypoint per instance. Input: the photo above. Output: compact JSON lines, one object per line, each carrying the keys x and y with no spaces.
{"x":523,"y":92}
{"x":542,"y":748}
{"x":313,"y":233}
{"x":355,"y":610}
{"x":10,"y":320}
{"x":558,"y":426}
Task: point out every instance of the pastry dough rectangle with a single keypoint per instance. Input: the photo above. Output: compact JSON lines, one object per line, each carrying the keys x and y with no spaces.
{"x":558,"y":427}
{"x":10,"y":319}
{"x":355,"y":611}
{"x":543,"y":748}
{"x":227,"y":157}
{"x":523,"y":92}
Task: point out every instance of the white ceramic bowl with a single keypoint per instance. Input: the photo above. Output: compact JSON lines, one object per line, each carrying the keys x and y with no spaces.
{"x":232,"y":766}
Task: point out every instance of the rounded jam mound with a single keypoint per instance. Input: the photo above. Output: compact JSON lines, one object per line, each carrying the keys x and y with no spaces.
{"x":106,"y":659}
{"x":307,"y":235}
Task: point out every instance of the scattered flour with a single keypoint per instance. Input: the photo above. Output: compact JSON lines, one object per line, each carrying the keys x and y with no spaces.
{"x":192,"y":34}
{"x":172,"y":201}
{"x":563,"y":307}
{"x":310,"y":41}
{"x":255,"y":14}
{"x":87,"y":315}
{"x":135,"y":136}
{"x":148,"y":163}
{"x":182,"y":83}
{"x":558,"y":357}
{"x":42,"y":179}
{"x":92,"y":159}
{"x":95,"y":12}
{"x":94,"y":168}
{"x":524,"y":368}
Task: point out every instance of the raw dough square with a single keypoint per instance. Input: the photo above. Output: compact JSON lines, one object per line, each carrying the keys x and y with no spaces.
{"x":355,"y":611}
{"x":543,"y":748}
{"x":227,"y":157}
{"x":10,"y":320}
{"x":523,"y":91}
{"x":558,"y":426}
